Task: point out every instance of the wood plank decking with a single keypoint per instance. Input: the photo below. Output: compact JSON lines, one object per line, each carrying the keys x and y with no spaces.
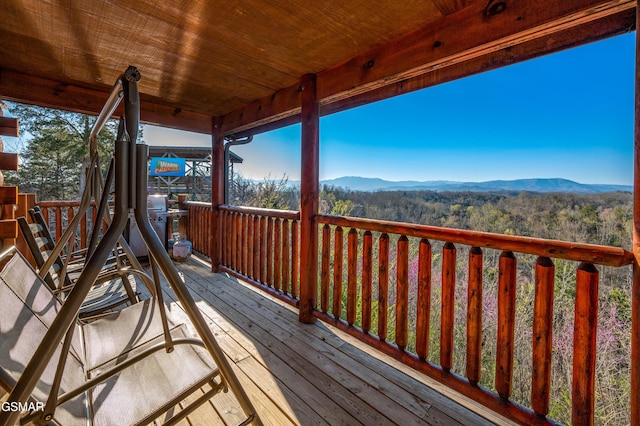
{"x":309,"y":374}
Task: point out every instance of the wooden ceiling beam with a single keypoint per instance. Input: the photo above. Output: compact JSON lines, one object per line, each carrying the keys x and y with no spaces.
{"x":475,"y":39}
{"x":28,"y":89}
{"x":575,"y":36}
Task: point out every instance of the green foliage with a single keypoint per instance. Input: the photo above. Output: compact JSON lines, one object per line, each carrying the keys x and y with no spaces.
{"x":57,"y":147}
{"x":268,"y":194}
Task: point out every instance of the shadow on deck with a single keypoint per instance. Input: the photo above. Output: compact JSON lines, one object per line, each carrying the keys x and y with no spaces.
{"x":303,"y":374}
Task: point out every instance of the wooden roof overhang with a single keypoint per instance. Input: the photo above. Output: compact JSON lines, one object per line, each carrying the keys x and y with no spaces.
{"x":242,"y":62}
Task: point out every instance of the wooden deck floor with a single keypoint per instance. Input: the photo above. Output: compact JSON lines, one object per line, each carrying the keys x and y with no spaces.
{"x":299,"y":374}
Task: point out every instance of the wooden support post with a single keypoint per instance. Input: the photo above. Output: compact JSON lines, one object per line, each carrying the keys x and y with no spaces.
{"x":309,"y":198}
{"x":635,"y":290}
{"x":217,"y":191}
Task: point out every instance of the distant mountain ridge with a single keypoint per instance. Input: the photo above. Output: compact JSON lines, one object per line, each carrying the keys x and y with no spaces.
{"x":357,"y":183}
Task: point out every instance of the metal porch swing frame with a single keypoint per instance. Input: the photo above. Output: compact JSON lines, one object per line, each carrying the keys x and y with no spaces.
{"x":130,"y":197}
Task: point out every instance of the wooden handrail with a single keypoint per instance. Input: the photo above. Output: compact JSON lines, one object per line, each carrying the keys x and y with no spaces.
{"x":197,"y":204}
{"x":68,"y":207}
{"x":601,"y":255}
{"x":282,"y":214}
{"x":57,"y":204}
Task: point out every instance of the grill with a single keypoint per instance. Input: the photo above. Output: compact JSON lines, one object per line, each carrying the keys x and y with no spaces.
{"x":158,"y":216}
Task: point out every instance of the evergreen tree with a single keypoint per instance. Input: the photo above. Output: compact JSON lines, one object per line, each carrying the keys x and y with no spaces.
{"x":56,"y":151}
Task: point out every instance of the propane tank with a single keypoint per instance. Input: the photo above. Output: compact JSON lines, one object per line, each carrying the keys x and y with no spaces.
{"x":181,"y":249}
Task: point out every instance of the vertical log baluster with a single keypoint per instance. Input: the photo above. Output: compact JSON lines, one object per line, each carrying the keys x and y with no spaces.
{"x":256,"y":247}
{"x":270,"y":250}
{"x":229,"y":239}
{"x":263,"y":249}
{"x":249,"y":246}
{"x":337,"y":272}
{"x":367,"y":279}
{"x":295,"y":258}
{"x":506,"y":322}
{"x":45,"y":214}
{"x":72,"y":241}
{"x":196,"y":220}
{"x":326,"y":268}
{"x":584,"y":345}
{"x":277,"y":254}
{"x":448,"y":305}
{"x":286,"y":257}
{"x":207,"y":235}
{"x":245,"y":244}
{"x":383,"y":285}
{"x":199,"y":223}
{"x":542,"y":336}
{"x":236,"y":241}
{"x":210,"y":238}
{"x":191,"y":223}
{"x":198,"y":240}
{"x":474,"y":315}
{"x":83,"y":231}
{"x":213,"y":233}
{"x":239,"y":246}
{"x":423,"y":309}
{"x":58,"y":223}
{"x":402,"y":293}
{"x":352,"y":275}
{"x":224,"y":233}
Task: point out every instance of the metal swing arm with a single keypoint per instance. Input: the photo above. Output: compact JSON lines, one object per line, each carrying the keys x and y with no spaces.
{"x":130,"y":192}
{"x":125,"y":86}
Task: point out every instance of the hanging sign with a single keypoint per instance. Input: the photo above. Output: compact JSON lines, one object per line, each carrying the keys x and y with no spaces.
{"x":167,"y":166}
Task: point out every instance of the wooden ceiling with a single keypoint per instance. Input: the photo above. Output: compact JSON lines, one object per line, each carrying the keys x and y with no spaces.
{"x":242,"y":61}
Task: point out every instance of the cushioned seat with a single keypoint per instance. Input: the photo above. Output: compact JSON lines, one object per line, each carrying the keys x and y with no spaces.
{"x":155,"y":381}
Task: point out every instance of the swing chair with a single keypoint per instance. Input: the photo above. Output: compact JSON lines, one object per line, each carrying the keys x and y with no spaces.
{"x":128,"y":367}
{"x":116,"y":285}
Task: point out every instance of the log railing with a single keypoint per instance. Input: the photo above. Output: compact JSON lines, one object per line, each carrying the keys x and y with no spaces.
{"x":58,"y":214}
{"x":377,"y":261}
{"x":199,"y":226}
{"x":379,"y":280}
{"x":258,"y":245}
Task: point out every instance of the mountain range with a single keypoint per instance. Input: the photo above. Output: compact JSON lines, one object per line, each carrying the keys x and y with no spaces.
{"x":357,"y":183}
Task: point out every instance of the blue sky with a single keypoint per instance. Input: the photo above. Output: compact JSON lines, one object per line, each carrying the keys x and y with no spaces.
{"x":567,"y":115}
